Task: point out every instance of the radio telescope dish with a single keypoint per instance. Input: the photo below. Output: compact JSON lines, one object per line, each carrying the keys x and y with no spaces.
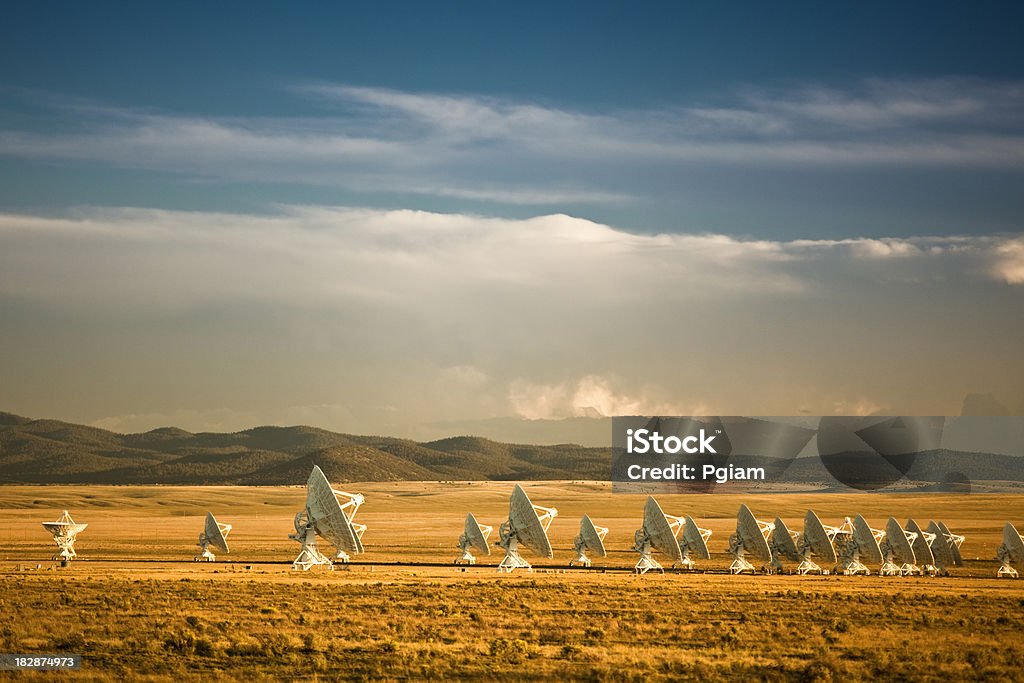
{"x":1011,"y":553}
{"x":945,"y":547}
{"x":474,"y":537}
{"x":65,"y":530}
{"x":782,"y":543}
{"x":214,"y":535}
{"x":751,"y":537}
{"x":657,"y":533}
{"x":858,"y":543}
{"x":955,"y":542}
{"x":527,"y":525}
{"x":590,"y":538}
{"x":694,"y":543}
{"x":328,"y":514}
{"x":922,"y":545}
{"x":816,"y":540}
{"x":898,"y":551}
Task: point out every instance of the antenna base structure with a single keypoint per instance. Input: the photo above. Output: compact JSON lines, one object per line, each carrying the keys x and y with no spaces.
{"x":646,"y":562}
{"x":65,"y":530}
{"x":512,"y":560}
{"x":309,"y":556}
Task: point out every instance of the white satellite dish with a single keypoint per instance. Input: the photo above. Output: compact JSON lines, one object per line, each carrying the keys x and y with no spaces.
{"x":527,"y":525}
{"x":591,"y":537}
{"x":783,"y":544}
{"x":1011,"y":553}
{"x":659,"y":533}
{"x":945,"y":547}
{"x":751,"y":537}
{"x":214,"y":535}
{"x":474,"y":537}
{"x":693,"y":543}
{"x":955,"y":542}
{"x":858,"y":543}
{"x":922,"y":544}
{"x":816,"y":541}
{"x":328,"y":514}
{"x":898,"y":558}
{"x":65,"y":530}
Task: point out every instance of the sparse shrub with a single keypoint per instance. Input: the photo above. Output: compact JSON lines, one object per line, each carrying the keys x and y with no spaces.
{"x":511,"y":651}
{"x":570,"y":651}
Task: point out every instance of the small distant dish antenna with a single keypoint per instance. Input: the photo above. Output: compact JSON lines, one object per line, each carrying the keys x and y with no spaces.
{"x":65,"y":530}
{"x":590,"y":538}
{"x":946,"y":547}
{"x":858,"y":543}
{"x":527,"y":525}
{"x":751,"y":537}
{"x":214,"y":535}
{"x":922,"y":544}
{"x":328,"y":514}
{"x":659,"y":533}
{"x":474,"y":537}
{"x":817,"y":540}
{"x":897,"y":547}
{"x":693,"y":543}
{"x":1011,"y":553}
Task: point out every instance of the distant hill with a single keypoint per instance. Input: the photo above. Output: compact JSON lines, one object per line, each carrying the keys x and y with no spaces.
{"x":50,"y":451}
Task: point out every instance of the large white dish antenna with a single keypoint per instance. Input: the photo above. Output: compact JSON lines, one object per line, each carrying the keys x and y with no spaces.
{"x":329,"y":514}
{"x":65,"y":530}
{"x":527,"y":525}
{"x":867,"y":540}
{"x":590,"y":538}
{"x":945,"y":547}
{"x":858,"y":543}
{"x":1011,"y":553}
{"x":955,"y":542}
{"x":751,"y":537}
{"x":331,"y":517}
{"x":782,"y":543}
{"x":214,"y":535}
{"x":694,"y":542}
{"x":659,"y":533}
{"x":819,"y":538}
{"x":474,"y":537}
{"x":922,"y":544}
{"x":898,"y":558}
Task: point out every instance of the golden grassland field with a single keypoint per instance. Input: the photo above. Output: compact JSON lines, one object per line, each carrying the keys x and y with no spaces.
{"x":246,"y":619}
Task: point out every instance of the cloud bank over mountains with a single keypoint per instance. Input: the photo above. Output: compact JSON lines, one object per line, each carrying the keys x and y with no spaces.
{"x":356,"y":318}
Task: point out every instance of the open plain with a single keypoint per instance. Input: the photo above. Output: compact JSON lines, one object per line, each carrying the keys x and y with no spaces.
{"x":136,"y":606}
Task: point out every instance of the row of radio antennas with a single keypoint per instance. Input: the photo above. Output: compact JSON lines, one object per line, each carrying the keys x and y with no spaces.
{"x":900,"y":551}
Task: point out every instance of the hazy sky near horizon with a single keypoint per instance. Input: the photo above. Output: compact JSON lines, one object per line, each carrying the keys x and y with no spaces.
{"x":383,"y":216}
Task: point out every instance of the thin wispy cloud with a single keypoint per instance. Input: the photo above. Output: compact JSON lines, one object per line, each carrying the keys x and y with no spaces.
{"x":505,"y":151}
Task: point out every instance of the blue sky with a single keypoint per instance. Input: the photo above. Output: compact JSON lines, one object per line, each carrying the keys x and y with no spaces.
{"x":378,"y":193}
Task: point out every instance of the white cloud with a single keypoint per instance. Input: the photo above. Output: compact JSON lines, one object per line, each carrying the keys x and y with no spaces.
{"x":456,"y":316}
